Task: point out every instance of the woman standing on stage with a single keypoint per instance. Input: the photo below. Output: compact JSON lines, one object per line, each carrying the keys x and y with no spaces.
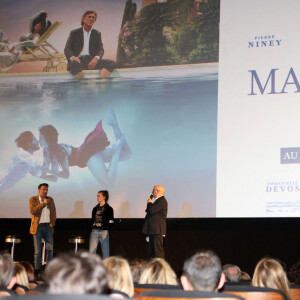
{"x":102,"y":219}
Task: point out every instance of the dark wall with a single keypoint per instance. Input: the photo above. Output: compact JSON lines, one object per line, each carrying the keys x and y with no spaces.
{"x":238,"y":241}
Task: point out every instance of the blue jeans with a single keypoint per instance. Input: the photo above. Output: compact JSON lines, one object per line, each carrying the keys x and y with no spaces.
{"x":44,"y":231}
{"x":102,"y":236}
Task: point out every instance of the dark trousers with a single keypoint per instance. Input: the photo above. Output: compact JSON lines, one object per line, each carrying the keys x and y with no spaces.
{"x":156,"y":248}
{"x":75,"y":67}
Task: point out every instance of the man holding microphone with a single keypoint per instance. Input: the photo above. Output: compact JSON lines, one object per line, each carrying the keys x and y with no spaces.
{"x":43,"y":217}
{"x":155,"y":226}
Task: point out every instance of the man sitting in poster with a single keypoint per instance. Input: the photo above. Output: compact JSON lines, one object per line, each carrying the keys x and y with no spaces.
{"x":84,"y":48}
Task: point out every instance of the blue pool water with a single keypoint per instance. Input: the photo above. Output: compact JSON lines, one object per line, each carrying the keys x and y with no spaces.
{"x":169,"y":117}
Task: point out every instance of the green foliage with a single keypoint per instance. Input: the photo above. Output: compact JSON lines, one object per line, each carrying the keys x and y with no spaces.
{"x":205,"y":53}
{"x":186,"y":41}
{"x":129,"y":14}
{"x":150,"y":40}
{"x":180,"y":10}
{"x":171,"y":32}
{"x":129,"y":11}
{"x":207,"y":23}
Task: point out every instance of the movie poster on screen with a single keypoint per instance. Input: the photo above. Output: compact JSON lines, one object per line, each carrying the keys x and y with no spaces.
{"x":152,"y":121}
{"x":258,"y":170}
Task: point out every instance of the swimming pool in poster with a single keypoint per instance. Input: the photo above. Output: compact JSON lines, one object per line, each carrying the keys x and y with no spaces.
{"x":167,"y":117}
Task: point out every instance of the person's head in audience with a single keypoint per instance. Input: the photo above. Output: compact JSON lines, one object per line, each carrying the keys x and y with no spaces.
{"x":203,"y":272}
{"x":80,"y":273}
{"x":7,"y":271}
{"x":22,"y":284}
{"x":119,"y":276}
{"x":29,"y":269}
{"x":158,"y":271}
{"x":21,"y":274}
{"x":269,"y":273}
{"x":294,"y":273}
{"x":137,"y":266}
{"x":245,"y":276}
{"x":232,"y":273}
{"x":39,"y":274}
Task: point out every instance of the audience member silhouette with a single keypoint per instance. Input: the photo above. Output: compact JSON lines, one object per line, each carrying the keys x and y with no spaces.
{"x":77,"y":273}
{"x":22,"y":284}
{"x":137,"y":266}
{"x":232,"y":273}
{"x":203,"y":272}
{"x":158,"y":271}
{"x":7,"y":275}
{"x":269,"y":273}
{"x":119,"y":277}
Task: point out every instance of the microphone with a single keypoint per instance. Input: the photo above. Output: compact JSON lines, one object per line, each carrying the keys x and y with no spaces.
{"x":47,"y":203}
{"x":151,"y":196}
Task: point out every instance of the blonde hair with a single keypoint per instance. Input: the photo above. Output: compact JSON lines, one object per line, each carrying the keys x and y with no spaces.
{"x":158,"y":271}
{"x":245,"y":276}
{"x":269,"y":273}
{"x":21,"y":275}
{"x":119,"y":275}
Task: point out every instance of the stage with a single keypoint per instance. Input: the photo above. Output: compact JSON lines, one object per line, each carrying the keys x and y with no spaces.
{"x":237,"y":241}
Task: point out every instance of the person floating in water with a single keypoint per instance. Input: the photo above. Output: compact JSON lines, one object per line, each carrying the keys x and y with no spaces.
{"x":93,"y":153}
{"x":23,"y":162}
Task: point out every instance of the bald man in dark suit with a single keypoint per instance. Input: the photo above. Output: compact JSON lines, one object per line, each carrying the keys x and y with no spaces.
{"x":155,"y":226}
